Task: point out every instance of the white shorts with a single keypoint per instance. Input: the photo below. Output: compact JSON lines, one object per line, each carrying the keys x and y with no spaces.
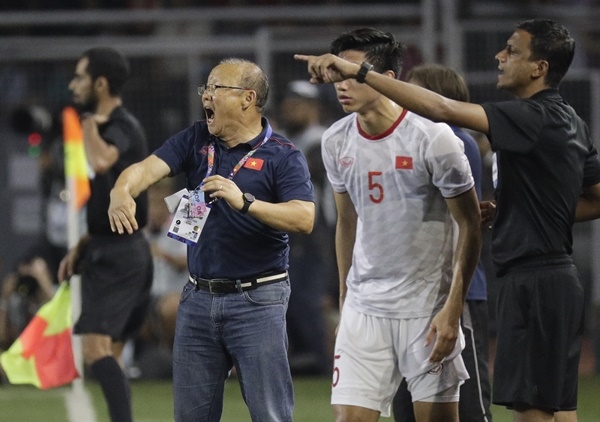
{"x":373,"y":354}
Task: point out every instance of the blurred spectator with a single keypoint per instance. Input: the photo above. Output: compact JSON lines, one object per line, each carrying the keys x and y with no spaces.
{"x":22,"y":293}
{"x":312,"y":260}
{"x":170,"y":257}
{"x":153,"y":345}
{"x":301,"y":109}
{"x":51,"y":245}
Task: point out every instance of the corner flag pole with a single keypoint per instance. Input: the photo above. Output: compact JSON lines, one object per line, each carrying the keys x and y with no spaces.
{"x":79,"y":191}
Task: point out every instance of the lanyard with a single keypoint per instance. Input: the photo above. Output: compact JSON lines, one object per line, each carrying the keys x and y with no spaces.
{"x":194,"y":211}
{"x":211,"y":155}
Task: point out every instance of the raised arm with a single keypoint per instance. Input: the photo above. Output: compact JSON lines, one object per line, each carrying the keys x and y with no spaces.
{"x":101,"y":155}
{"x":132,"y":181}
{"x":294,"y":216}
{"x":329,"y":68}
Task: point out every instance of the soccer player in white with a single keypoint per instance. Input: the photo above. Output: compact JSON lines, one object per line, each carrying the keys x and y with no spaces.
{"x":399,"y":181}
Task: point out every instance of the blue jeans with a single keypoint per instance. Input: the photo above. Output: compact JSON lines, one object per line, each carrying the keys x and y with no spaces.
{"x":215,"y":332}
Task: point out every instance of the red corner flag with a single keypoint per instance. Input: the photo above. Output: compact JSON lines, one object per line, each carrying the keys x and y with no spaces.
{"x":43,"y":355}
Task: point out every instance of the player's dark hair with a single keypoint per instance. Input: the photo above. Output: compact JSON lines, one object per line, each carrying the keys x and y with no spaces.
{"x":552,"y":42}
{"x":109,"y":63}
{"x":380,"y":48}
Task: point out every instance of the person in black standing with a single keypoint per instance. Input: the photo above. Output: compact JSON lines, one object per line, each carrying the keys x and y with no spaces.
{"x":116,"y":271}
{"x":548,"y":178}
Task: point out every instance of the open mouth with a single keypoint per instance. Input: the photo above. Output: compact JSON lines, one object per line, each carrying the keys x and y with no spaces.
{"x":210,"y":115}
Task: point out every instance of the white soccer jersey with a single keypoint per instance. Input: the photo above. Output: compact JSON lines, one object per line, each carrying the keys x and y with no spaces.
{"x":402,"y":259}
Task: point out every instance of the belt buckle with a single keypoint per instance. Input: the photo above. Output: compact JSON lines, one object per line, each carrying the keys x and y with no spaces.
{"x":210,"y":287}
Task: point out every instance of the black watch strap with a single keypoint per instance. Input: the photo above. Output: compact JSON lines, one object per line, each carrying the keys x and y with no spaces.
{"x":365,"y":67}
{"x":248,"y":200}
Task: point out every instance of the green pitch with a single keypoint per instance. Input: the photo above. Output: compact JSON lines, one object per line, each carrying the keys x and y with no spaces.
{"x":152,"y":402}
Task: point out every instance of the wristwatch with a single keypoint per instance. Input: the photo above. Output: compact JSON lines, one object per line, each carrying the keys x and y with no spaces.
{"x":362,"y":72}
{"x":248,"y":200}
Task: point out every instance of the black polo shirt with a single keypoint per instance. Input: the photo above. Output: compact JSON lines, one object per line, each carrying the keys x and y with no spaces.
{"x":234,"y":245}
{"x":544,"y":157}
{"x":124,"y":132}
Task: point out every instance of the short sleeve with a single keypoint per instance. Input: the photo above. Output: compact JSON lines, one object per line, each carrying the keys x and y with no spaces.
{"x":293,"y":178}
{"x":328,"y":153}
{"x":448,"y":164}
{"x":175,"y":151}
{"x":514,"y":125}
{"x":116,"y":135}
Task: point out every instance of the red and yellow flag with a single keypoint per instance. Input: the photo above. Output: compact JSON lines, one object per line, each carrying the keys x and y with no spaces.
{"x":254,"y":163}
{"x":76,"y":171}
{"x":43,"y":353}
{"x":404,"y":163}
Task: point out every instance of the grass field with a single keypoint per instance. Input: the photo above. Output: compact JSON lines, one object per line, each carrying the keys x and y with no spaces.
{"x":152,"y":402}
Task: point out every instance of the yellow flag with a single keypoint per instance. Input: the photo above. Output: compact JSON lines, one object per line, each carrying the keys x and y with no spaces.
{"x":43,"y":353}
{"x":76,"y":171}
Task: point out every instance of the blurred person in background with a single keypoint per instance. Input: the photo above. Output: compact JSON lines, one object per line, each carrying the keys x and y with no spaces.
{"x":22,"y":293}
{"x":548,"y":178}
{"x":300,"y":114}
{"x":154,"y":344}
{"x":475,"y":393}
{"x":36,"y":121}
{"x":311,"y":257}
{"x":248,"y":187}
{"x":116,"y":271}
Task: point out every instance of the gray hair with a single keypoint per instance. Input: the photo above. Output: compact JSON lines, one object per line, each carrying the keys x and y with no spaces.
{"x":252,"y":77}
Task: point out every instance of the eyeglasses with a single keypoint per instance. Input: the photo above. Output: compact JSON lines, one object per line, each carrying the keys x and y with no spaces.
{"x":211,"y":88}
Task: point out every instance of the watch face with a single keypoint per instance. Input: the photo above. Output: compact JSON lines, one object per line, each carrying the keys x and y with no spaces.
{"x":248,"y":197}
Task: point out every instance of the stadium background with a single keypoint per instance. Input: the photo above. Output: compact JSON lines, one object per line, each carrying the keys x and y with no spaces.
{"x":173,"y":44}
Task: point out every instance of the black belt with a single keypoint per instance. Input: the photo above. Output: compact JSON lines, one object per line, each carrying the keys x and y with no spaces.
{"x":226,"y":285}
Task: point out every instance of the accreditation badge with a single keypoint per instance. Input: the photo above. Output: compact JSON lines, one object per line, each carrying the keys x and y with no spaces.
{"x":189,"y":220}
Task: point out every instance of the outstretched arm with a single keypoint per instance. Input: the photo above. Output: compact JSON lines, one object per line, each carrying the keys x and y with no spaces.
{"x":330,"y":68}
{"x":133,"y":180}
